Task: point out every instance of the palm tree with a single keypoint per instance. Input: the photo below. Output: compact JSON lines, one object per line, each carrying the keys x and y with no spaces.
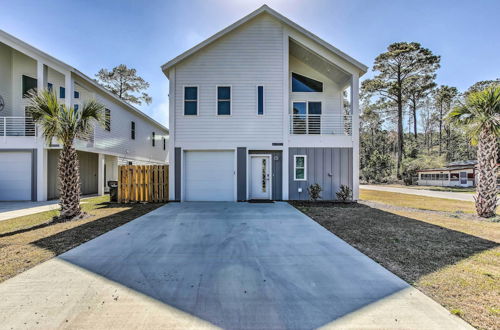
{"x":65,"y":124}
{"x":480,"y":116}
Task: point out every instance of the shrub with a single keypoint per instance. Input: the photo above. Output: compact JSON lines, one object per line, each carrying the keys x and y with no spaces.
{"x":344,"y":194}
{"x":314,"y":191}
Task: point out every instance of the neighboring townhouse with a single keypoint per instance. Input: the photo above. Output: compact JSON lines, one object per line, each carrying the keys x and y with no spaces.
{"x":260,"y":111}
{"x":28,"y":165}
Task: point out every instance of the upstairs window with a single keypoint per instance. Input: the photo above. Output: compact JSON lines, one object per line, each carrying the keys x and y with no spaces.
{"x":28,"y":85}
{"x":76,"y":95}
{"x":132,"y":130}
{"x":224,"y":100}
{"x":302,"y":83}
{"x":49,"y":87}
{"x":260,"y":100}
{"x":62,"y":92}
{"x":153,"y":139}
{"x":107,"y":120}
{"x":191,"y":101}
{"x":300,"y":168}
{"x":164,"y":144}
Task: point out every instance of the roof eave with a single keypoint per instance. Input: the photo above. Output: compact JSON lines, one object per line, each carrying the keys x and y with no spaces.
{"x":168,"y":65}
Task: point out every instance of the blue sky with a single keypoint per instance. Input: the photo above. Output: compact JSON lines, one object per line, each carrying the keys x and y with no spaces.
{"x":91,"y":34}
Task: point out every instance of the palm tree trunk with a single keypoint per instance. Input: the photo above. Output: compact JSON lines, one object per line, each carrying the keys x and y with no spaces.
{"x":69,"y":179}
{"x":486,"y":199}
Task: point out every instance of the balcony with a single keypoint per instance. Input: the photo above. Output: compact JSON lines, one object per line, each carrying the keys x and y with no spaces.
{"x":17,"y":126}
{"x":327,"y":124}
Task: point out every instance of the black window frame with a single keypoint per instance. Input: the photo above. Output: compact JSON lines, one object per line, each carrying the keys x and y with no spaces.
{"x":28,"y":84}
{"x":62,"y":92}
{"x":314,"y":85}
{"x":191,"y":101}
{"x":107,"y":120}
{"x":153,"y":139}
{"x":132,"y":130}
{"x":221,"y":101}
{"x":260,"y":100}
{"x":164,"y":144}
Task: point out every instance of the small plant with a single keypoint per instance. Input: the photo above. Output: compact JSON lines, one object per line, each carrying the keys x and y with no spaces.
{"x":456,"y":312}
{"x":314,"y":191}
{"x":344,"y":194}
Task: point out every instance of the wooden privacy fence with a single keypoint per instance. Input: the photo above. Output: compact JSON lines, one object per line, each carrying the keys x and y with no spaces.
{"x":142,"y":183}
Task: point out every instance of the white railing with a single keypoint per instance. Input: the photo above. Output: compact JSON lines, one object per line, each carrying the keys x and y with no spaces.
{"x":17,"y":126}
{"x":328,"y":124}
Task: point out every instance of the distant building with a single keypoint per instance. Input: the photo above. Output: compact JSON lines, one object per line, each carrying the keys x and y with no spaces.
{"x":455,"y":174}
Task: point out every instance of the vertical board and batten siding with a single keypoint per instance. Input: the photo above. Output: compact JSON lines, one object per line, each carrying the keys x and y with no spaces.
{"x":329,"y":167}
{"x":249,"y":56}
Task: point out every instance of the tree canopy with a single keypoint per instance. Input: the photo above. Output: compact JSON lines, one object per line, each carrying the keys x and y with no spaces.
{"x":125,"y":83}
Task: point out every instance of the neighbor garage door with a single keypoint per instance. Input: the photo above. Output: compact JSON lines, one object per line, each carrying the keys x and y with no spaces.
{"x":209,"y":176}
{"x":15,"y":176}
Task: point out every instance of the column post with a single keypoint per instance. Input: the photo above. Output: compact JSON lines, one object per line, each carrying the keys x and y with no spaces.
{"x":355,"y":135}
{"x":100,"y":174}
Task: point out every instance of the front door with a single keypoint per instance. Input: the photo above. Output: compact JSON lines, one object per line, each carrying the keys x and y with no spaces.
{"x":260,"y":177}
{"x":463,"y":179}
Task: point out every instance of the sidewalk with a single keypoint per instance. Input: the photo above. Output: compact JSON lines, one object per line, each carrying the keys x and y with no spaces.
{"x":10,"y":210}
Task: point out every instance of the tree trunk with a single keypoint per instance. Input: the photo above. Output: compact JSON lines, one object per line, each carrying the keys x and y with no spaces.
{"x":415,"y":120}
{"x":486,"y":199}
{"x":69,"y":179}
{"x":400,"y":136}
{"x":440,"y":128}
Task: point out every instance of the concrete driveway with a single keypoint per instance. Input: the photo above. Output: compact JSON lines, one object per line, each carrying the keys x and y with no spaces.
{"x":230,"y":265}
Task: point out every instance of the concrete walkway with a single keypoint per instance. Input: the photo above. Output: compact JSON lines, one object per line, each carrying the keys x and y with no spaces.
{"x":429,"y":193}
{"x":206,"y":265}
{"x":10,"y":210}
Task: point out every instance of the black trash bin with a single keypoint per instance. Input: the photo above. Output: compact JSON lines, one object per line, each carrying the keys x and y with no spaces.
{"x":113,"y":191}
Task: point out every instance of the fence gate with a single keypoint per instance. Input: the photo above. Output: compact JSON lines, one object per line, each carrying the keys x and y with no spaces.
{"x":142,"y":183}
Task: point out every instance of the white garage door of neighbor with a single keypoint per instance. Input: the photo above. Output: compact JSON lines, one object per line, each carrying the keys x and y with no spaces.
{"x":209,"y":176}
{"x":15,"y":176}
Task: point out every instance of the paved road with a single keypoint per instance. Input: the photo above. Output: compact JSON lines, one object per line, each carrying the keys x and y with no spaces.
{"x":229,"y":265}
{"x":429,"y":193}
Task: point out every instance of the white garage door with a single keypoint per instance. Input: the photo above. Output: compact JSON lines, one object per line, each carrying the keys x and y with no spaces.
{"x":209,"y":176}
{"x":15,"y":176}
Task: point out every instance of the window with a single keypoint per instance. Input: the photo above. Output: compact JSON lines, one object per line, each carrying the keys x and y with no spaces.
{"x":153,"y":139}
{"x":107,"y":120}
{"x":190,"y":101}
{"x":49,"y":87}
{"x":76,"y":94}
{"x":132,"y":130}
{"x":75,"y":107}
{"x":260,"y":100}
{"x":130,"y":163}
{"x":164,"y":144}
{"x":28,"y":85}
{"x":62,"y":92}
{"x":224,"y":101}
{"x":306,"y":117}
{"x":304,"y":84}
{"x":300,"y":168}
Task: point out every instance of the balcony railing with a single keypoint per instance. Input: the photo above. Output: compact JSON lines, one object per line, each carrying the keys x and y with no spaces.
{"x":17,"y":126}
{"x":328,"y":124}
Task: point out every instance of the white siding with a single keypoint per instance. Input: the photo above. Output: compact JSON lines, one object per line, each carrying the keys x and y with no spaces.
{"x":21,"y":65}
{"x":6,"y":79}
{"x":249,"y":56}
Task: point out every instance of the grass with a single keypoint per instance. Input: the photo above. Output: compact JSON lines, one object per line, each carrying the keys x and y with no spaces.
{"x":452,"y":257}
{"x":417,"y":202}
{"x":29,"y":240}
{"x":436,"y":188}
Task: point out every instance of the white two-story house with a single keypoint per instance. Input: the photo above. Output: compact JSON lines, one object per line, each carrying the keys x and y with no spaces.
{"x":261,"y":111}
{"x":28,"y":165}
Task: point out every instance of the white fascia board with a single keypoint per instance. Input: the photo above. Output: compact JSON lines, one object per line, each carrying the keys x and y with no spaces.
{"x":165,"y":67}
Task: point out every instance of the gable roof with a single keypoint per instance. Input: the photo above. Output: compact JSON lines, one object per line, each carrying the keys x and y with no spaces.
{"x":264,"y":9}
{"x":37,"y":52}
